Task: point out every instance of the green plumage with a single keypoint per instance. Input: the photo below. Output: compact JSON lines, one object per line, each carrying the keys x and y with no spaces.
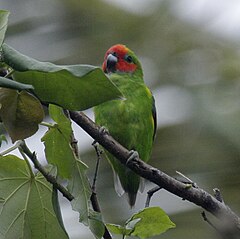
{"x":131,"y":122}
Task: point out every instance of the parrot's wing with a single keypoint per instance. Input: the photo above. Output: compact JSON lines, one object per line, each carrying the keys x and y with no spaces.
{"x":154,"y":115}
{"x":117,"y":184}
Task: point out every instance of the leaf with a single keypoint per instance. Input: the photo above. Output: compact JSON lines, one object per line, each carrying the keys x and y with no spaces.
{"x":126,"y":230}
{"x":74,"y":87}
{"x":56,"y":208}
{"x":118,"y":229}
{"x":95,"y":224}
{"x":3,"y":139}
{"x":3,"y":24}
{"x":59,"y":152}
{"x":26,"y":210}
{"x":79,"y":187}
{"x":57,"y":143}
{"x":153,"y":221}
{"x":11,"y":84}
{"x":20,"y":113}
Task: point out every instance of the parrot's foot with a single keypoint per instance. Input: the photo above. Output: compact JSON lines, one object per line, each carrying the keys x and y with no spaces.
{"x":103,"y":130}
{"x":132,"y":155}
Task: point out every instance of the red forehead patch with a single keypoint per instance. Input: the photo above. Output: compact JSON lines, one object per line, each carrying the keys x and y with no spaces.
{"x":119,"y":48}
{"x":122,"y":65}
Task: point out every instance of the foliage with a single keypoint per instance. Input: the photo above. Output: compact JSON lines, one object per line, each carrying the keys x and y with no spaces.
{"x":26,"y":209}
{"x":57,"y":143}
{"x":3,"y":24}
{"x":29,"y":206}
{"x":144,"y":224}
{"x":20,"y":113}
{"x":71,"y":87}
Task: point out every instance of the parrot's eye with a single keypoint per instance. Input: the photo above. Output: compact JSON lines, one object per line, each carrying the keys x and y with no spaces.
{"x":128,"y":59}
{"x":114,"y":53}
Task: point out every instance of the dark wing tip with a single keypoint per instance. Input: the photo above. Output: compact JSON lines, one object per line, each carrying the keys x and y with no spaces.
{"x":132,"y":199}
{"x":154,"y":115}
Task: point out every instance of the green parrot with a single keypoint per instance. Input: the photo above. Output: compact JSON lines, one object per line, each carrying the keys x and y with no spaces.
{"x":131,"y":121}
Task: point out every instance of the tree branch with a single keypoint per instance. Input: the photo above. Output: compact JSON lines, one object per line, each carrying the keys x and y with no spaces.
{"x":51,"y":179}
{"x":195,"y":195}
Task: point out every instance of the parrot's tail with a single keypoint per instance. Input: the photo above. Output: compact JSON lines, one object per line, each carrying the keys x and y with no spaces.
{"x":129,"y":183}
{"x":131,"y":198}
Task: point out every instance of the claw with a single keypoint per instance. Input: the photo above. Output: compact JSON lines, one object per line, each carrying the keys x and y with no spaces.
{"x":103,"y":130}
{"x":95,"y":143}
{"x":132,"y":155}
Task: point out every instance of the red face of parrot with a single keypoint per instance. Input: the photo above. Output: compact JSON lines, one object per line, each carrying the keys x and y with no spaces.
{"x":119,"y":59}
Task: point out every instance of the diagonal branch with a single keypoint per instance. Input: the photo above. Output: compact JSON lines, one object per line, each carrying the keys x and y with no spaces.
{"x":195,"y":195}
{"x":51,"y":179}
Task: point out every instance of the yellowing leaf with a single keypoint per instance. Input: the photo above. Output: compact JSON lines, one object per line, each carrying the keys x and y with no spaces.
{"x":20,"y":113}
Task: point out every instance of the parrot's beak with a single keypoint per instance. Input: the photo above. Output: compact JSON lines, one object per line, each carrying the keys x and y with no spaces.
{"x":111,"y":63}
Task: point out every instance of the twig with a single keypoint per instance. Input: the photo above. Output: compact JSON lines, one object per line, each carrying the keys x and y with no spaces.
{"x":218,"y":195}
{"x":9,"y":150}
{"x":73,"y":140}
{"x":195,"y":195}
{"x":49,"y":177}
{"x":188,"y":180}
{"x":98,"y":153}
{"x":150,"y":194}
{"x":9,"y":73}
{"x":93,"y":198}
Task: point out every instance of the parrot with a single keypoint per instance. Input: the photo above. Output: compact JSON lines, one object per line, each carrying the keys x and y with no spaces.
{"x":131,"y":120}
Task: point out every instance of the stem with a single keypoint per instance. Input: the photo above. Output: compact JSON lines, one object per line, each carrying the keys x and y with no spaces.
{"x":9,"y":150}
{"x":98,"y":153}
{"x":26,"y":160}
{"x":49,"y":125}
{"x":9,"y":73}
{"x":150,"y":194}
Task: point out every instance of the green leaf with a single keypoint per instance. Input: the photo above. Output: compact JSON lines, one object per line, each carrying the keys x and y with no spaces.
{"x":74,"y":87}
{"x":79,"y":187}
{"x":3,"y":24}
{"x":20,"y":113}
{"x":95,"y":224}
{"x":3,"y":139}
{"x":153,"y":221}
{"x":57,"y":143}
{"x":56,"y":208}
{"x":11,"y":84}
{"x":126,"y":230}
{"x":117,"y":229}
{"x":59,"y":152}
{"x":148,"y":222}
{"x":26,"y":210}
